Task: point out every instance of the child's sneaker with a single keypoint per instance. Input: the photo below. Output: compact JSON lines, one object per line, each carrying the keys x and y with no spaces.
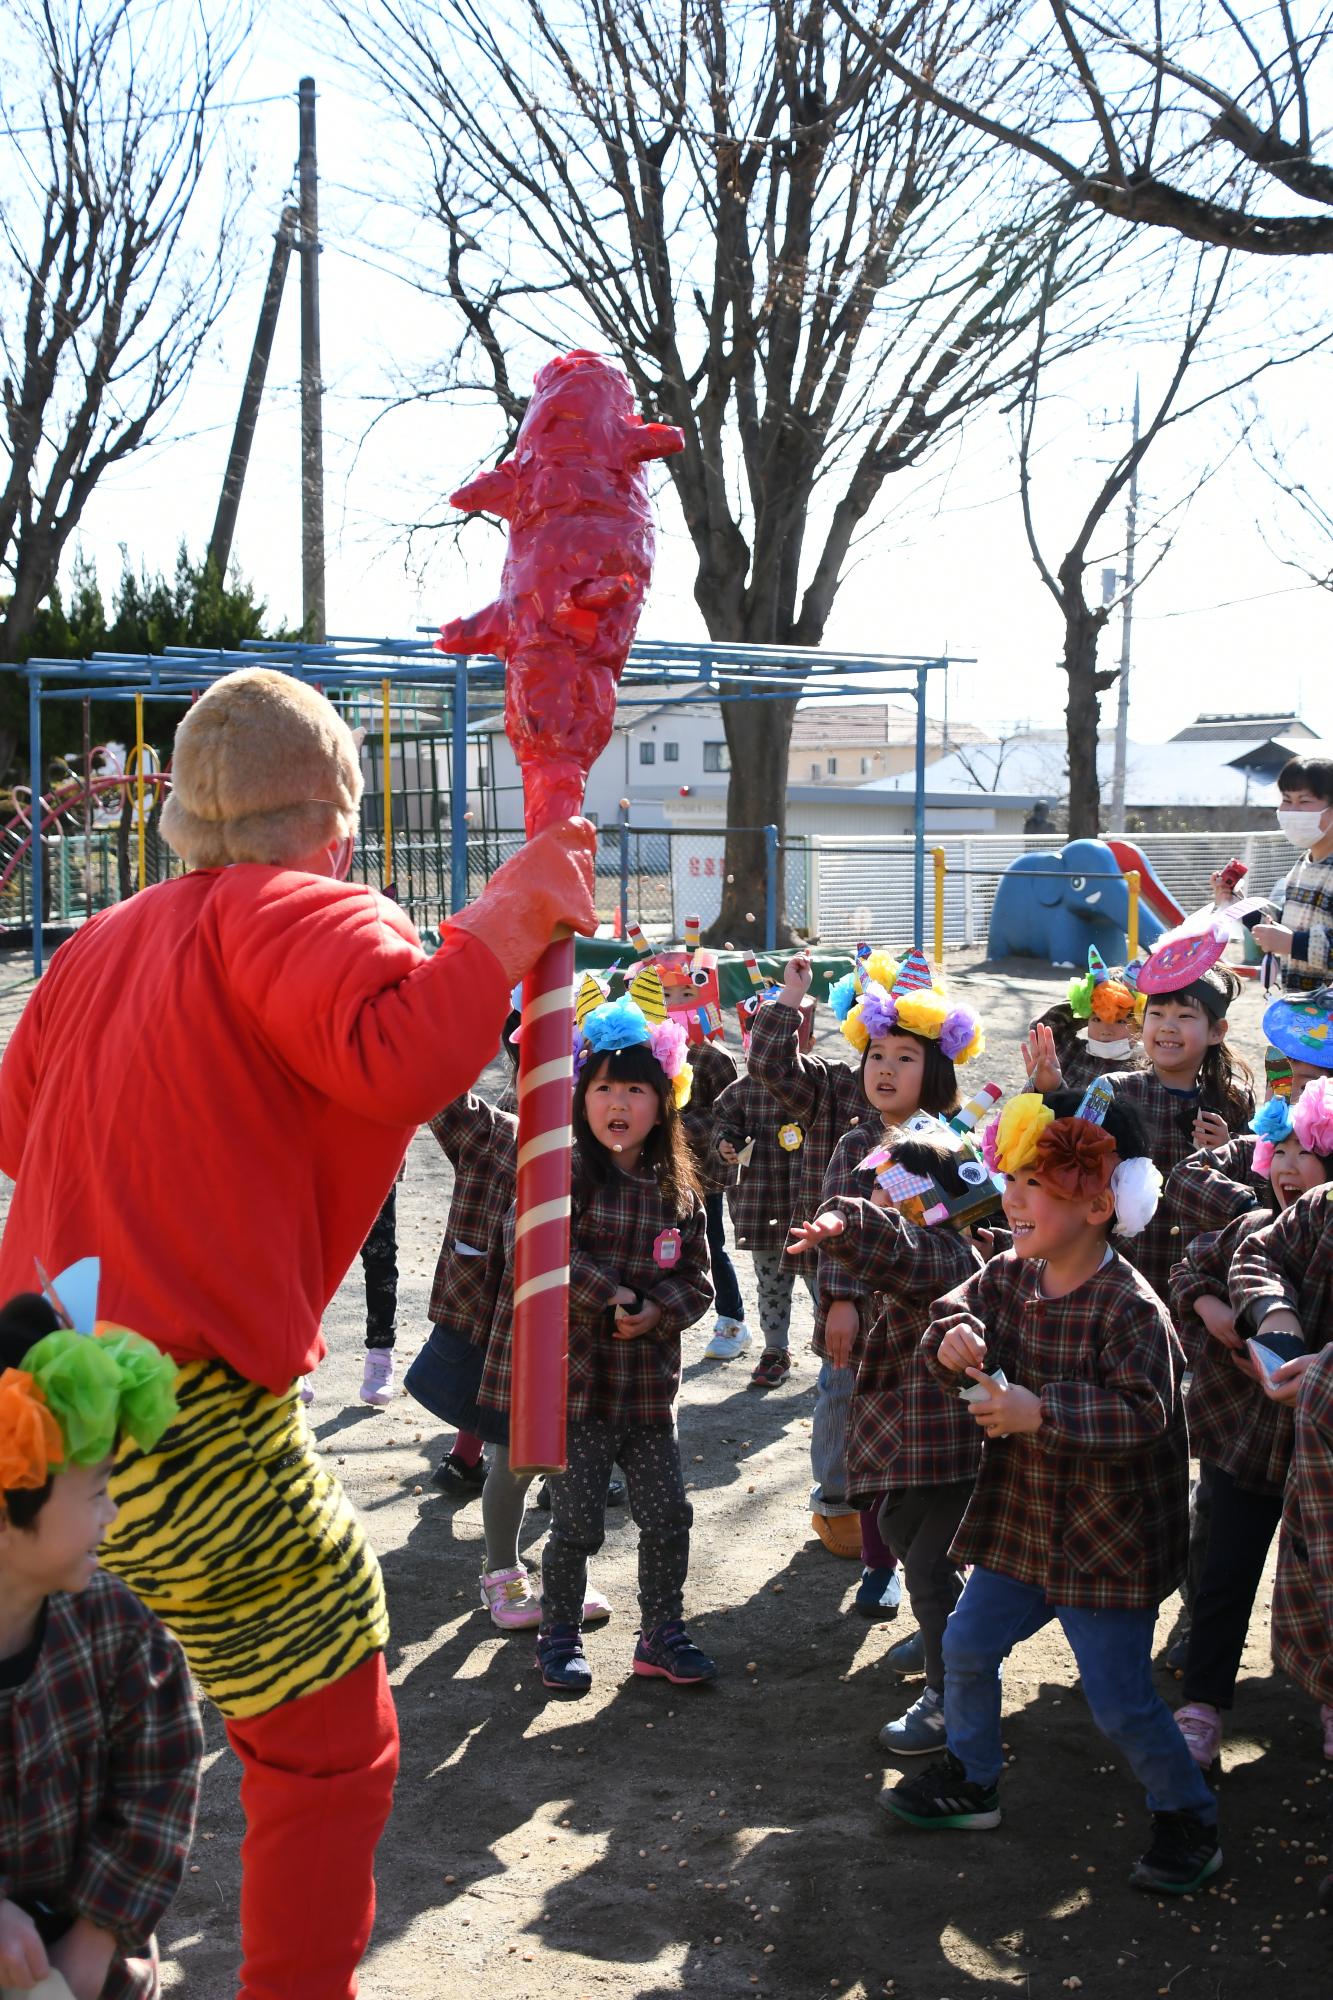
{"x":307,"y":1391}
{"x":377,"y":1377}
{"x":772,"y":1368}
{"x":561,"y":1658}
{"x":596,"y":1608}
{"x":879,"y":1594}
{"x":907,"y":1657}
{"x":840,"y":1534}
{"x":920,"y":1730}
{"x":730,"y":1338}
{"x":454,"y":1475}
{"x":1201,"y":1726}
{"x":943,"y":1796}
{"x":509,"y":1596}
{"x":668,"y":1653}
{"x":1184,"y":1853}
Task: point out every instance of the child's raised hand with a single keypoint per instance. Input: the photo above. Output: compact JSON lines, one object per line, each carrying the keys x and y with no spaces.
{"x":810,"y":1235}
{"x":1211,"y":1129}
{"x":960,"y":1349}
{"x":1040,"y":1060}
{"x":23,"y":1960}
{"x":631,"y":1325}
{"x":796,"y":978}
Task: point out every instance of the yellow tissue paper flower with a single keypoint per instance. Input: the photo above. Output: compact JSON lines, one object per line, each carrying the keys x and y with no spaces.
{"x":1020,"y":1126}
{"x":923,"y":1012}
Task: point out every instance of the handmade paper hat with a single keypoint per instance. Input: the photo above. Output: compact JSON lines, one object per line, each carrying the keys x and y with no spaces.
{"x":878,"y":998}
{"x":957,"y":1188}
{"x":637,"y":1020}
{"x":1302,"y":1027}
{"x":693,"y":994}
{"x":1181,"y":963}
{"x":1271,"y":1124}
{"x":1102,"y":993}
{"x":80,"y":1389}
{"x":264,"y":769}
{"x":1074,"y":1157}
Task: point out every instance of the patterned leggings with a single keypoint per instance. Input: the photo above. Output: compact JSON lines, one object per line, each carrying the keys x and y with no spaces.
{"x":650,"y":1461}
{"x":775,"y":1276}
{"x":379,"y":1261}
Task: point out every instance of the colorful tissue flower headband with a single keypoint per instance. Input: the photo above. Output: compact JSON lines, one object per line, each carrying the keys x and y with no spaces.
{"x":1310,"y":1118}
{"x":882,"y":998}
{"x":638,"y":1019}
{"x":1101,"y":994}
{"x":80,"y":1390}
{"x":1074,"y":1158}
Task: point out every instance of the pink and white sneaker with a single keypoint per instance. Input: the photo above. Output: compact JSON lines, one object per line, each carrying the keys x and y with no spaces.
{"x":1201,"y":1726}
{"x":307,"y":1388}
{"x":1326,"y":1719}
{"x":596,"y":1608}
{"x":510,"y":1598}
{"x":377,"y":1377}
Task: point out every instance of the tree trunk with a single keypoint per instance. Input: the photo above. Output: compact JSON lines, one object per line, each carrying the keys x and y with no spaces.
{"x":1082,"y":717}
{"x":758,"y":735}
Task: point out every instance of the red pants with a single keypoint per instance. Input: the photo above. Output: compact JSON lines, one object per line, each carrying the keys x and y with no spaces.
{"x":316,"y":1787}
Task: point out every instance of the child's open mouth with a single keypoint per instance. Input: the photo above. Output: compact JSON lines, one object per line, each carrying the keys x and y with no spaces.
{"x":1288,"y":1192}
{"x":1022,"y":1229}
{"x":617,"y":1125}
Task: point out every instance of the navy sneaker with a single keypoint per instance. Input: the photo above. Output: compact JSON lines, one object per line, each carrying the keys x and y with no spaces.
{"x":879,"y":1594}
{"x":561,"y":1658}
{"x":1185,"y":1851}
{"x":943,"y":1796}
{"x":907,"y":1657}
{"x":668,"y":1653}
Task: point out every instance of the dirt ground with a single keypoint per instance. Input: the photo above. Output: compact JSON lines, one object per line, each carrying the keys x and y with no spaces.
{"x":649,"y":1842}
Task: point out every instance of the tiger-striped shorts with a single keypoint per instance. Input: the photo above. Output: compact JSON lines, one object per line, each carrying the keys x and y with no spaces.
{"x":232,"y":1532}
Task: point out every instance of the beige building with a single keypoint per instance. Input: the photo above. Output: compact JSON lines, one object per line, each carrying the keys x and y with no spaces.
{"x":854,"y":743}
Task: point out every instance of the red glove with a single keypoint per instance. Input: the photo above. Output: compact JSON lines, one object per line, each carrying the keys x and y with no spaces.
{"x":547,"y":885}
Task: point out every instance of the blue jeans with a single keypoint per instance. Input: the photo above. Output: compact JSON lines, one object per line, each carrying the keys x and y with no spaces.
{"x":828,"y":1439}
{"x":1114,"y":1654}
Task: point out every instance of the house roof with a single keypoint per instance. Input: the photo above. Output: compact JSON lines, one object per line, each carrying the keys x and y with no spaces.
{"x":1189,"y":773}
{"x":871,"y":725}
{"x":1243,"y":727}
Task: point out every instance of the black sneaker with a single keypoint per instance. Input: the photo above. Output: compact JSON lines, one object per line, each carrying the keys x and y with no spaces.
{"x":943,"y":1796}
{"x":1184,"y":1853}
{"x":451,"y":1475}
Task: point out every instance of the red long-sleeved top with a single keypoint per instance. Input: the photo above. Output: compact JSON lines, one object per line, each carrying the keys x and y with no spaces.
{"x":212,"y":1089}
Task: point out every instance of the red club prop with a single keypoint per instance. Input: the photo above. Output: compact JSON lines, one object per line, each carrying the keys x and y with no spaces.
{"x":578,"y":565}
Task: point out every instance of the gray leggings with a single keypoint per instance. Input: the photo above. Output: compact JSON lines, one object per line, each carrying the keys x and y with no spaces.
{"x":919,"y":1523}
{"x":775,"y":1278}
{"x":650,"y":1461}
{"x":503,"y":1500}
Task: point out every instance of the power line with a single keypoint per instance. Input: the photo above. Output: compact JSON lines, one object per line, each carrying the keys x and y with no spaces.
{"x":152,"y":117}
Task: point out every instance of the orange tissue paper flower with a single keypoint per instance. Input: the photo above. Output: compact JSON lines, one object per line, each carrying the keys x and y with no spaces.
{"x":30,"y":1441}
{"x":1075,"y":1159}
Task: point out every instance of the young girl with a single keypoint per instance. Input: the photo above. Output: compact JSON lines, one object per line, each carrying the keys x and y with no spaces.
{"x":713,"y":1070}
{"x":1242,"y":1434}
{"x":821,"y":1100}
{"x":638,"y":1278}
{"x":909,"y":1039}
{"x":761,"y":1183}
{"x":1096,"y":1028}
{"x":1196,"y":1091}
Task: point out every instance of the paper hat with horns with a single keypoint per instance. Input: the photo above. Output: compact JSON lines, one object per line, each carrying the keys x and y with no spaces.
{"x":638,"y":1019}
{"x":1074,"y":1158}
{"x":1100,"y":993}
{"x":80,"y":1389}
{"x":959,"y":1188}
{"x":690,"y":983}
{"x":881,"y":998}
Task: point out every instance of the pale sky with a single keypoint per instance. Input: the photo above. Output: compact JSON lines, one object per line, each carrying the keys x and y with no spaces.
{"x":1223,"y":625}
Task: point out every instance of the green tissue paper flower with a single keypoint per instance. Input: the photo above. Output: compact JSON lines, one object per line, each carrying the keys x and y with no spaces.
{"x":147,"y":1385}
{"x":81,"y":1383}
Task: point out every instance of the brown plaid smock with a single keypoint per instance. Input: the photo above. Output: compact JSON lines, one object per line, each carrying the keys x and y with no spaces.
{"x":1232,"y":1423}
{"x":1212,"y":1187}
{"x":1168,"y":1124}
{"x":904,"y":1429}
{"x":1303,"y":1593}
{"x":1092,"y":1508}
{"x":1079,"y":1062}
{"x":761,"y":1196}
{"x":617,"y":1382}
{"x":714,"y":1068}
{"x":481,"y":1143}
{"x":1289,"y":1261}
{"x":824,"y":1098}
{"x":99,"y":1774}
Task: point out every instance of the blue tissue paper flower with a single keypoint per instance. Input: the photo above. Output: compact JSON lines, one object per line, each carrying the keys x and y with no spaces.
{"x":619,"y":1024}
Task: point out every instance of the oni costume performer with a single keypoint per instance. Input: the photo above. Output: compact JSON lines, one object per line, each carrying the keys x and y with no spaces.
{"x":280,"y":1034}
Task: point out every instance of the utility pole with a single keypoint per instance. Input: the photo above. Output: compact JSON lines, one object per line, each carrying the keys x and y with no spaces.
{"x":1126,"y":624}
{"x":312,"y":387}
{"x":224,"y":527}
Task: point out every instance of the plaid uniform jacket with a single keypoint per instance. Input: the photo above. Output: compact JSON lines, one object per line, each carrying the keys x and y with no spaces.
{"x":1079,"y":1062}
{"x":1092,"y":1508}
{"x":824,"y":1098}
{"x":714,"y":1067}
{"x":615,"y":1226}
{"x":1168,"y":1123}
{"x":481,"y":1143}
{"x":99,"y":1774}
{"x":1232,"y":1423}
{"x":1303,"y":1593}
{"x":1289,"y":1262}
{"x":762,"y":1196}
{"x":1212,"y":1187}
{"x":904,"y":1429}
{"x":1307,"y":911}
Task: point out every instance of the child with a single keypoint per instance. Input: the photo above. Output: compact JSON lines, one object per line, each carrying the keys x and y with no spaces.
{"x":100,"y":1740}
{"x":1079,"y":1507}
{"x":1241,"y":1437}
{"x":1303,"y":1593}
{"x":1096,"y":1028}
{"x":1281,"y":1283}
{"x":638,"y":1278}
{"x":1196,"y":1091}
{"x":379,"y":1261}
{"x":908,"y":1038}
{"x":1302,"y":938}
{"x":761,"y":1181}
{"x":713,"y":1070}
{"x":821,"y":1099}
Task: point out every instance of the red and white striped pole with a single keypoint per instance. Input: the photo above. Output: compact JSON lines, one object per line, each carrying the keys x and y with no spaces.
{"x":541,"y":1242}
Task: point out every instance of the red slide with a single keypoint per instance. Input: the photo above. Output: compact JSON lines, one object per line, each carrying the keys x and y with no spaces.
{"x":1156,"y":896}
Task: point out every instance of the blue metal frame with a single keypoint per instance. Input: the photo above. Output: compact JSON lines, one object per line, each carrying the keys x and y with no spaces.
{"x":770,"y":673}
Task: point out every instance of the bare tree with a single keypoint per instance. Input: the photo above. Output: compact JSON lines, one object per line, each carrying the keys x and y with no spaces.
{"x":111,"y":278}
{"x":815,"y":276}
{"x":1190,"y":117}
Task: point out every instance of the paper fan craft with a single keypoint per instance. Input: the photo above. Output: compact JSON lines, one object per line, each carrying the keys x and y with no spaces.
{"x":1180,"y":961}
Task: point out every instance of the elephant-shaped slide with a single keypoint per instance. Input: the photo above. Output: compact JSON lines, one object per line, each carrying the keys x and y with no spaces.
{"x":1053,"y":906}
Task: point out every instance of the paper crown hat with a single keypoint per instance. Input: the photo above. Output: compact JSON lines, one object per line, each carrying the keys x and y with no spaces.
{"x":637,"y":1020}
{"x":1302,"y":1027}
{"x":690,"y":983}
{"x":1100,"y":992}
{"x":880,"y":997}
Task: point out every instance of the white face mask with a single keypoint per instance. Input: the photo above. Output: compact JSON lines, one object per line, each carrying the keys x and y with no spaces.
{"x":1108,"y":1051}
{"x":1302,"y":828}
